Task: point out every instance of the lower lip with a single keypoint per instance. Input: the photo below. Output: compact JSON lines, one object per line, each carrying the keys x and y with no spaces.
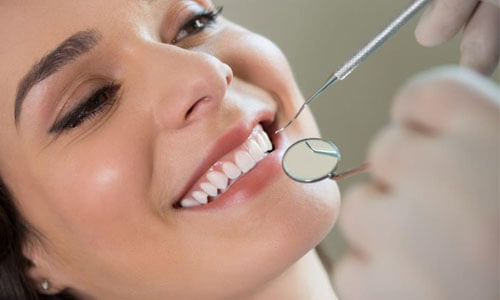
{"x":252,"y":183}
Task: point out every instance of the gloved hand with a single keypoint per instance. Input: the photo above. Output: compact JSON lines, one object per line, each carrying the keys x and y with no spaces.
{"x":481,"y":39}
{"x":426,"y":227}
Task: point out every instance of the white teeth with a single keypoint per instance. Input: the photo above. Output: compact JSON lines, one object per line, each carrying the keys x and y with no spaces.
{"x":231,"y":170}
{"x":261,"y":141}
{"x":208,"y":188}
{"x":244,"y":161}
{"x":200,"y":197}
{"x":248,"y":155}
{"x":218,"y":179}
{"x":188,"y":202}
{"x":269,"y":145}
{"x":255,"y":150}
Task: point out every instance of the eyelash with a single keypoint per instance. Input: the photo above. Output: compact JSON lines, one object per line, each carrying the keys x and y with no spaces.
{"x":103,"y":97}
{"x":96,"y":104}
{"x":207,"y":18}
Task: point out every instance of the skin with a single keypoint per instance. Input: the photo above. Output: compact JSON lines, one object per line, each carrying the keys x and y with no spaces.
{"x":96,"y":194}
{"x":480,"y":21}
{"x":440,"y":242}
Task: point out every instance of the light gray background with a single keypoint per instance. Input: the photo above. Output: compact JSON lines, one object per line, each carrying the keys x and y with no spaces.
{"x":317,"y":36}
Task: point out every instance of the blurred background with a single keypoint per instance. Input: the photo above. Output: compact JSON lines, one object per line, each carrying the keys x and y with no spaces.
{"x":318,"y":37}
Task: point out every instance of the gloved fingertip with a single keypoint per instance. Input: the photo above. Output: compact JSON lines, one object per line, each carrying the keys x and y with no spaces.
{"x":428,"y":38}
{"x":423,"y":32}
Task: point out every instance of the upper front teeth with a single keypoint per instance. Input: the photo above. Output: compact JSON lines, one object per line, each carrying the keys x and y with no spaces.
{"x":188,"y":202}
{"x":208,"y":188}
{"x":231,"y":170}
{"x":244,"y":161}
{"x":220,"y":180}
{"x":255,"y":150}
{"x":222,"y":174}
{"x":200,"y":197}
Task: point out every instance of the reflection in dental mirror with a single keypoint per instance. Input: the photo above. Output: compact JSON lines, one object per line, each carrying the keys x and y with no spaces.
{"x":311,"y":160}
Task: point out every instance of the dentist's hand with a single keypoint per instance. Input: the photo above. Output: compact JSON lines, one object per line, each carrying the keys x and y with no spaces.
{"x":481,"y":22}
{"x":426,"y":227}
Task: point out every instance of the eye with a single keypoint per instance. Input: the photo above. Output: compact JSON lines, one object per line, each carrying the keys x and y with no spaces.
{"x":198,"y":23}
{"x":95,"y":104}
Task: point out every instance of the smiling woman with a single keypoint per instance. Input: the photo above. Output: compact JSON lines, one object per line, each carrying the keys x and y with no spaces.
{"x":138,"y":161}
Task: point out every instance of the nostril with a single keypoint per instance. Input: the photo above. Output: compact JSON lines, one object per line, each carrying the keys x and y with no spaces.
{"x":196,"y":107}
{"x":189,"y":112}
{"x":229,"y":74}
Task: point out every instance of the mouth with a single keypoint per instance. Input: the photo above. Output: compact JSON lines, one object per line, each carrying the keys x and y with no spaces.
{"x":235,"y":155}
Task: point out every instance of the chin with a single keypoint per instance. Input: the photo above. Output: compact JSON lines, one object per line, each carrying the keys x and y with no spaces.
{"x":296,"y":218}
{"x":305,"y":214}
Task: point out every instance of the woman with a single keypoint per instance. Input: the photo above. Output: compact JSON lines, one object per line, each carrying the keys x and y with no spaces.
{"x":119,"y":119}
{"x":133,"y":164}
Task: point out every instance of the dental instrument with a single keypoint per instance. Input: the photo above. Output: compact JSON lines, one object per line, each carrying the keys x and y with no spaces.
{"x":314,"y":159}
{"x":362,"y":54}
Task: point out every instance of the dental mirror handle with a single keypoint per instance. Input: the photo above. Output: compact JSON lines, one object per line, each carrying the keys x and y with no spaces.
{"x":362,"y":168}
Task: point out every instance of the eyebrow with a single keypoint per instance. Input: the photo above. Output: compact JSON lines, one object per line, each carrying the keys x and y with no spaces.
{"x":67,"y":52}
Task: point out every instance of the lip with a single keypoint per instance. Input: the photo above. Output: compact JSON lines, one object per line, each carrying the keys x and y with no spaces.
{"x":227,"y":142}
{"x":250,"y":184}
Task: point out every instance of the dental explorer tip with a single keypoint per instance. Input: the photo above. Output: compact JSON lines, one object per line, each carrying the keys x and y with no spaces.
{"x":280,"y":130}
{"x":292,"y":120}
{"x":284,"y":127}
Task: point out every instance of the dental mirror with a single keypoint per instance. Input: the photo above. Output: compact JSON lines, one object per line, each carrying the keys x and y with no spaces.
{"x":311,"y":160}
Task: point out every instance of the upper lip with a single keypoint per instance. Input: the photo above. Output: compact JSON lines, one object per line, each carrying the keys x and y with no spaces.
{"x":227,"y":142}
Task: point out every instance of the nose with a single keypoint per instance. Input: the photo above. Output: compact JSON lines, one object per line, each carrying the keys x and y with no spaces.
{"x":181,"y":86}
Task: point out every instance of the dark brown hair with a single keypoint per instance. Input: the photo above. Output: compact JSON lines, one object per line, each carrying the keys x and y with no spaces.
{"x":14,"y":282}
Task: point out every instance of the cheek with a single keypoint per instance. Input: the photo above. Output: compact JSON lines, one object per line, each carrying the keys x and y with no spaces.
{"x":306,"y":212}
{"x":295,"y":219}
{"x":101,"y":190}
{"x":255,"y":59}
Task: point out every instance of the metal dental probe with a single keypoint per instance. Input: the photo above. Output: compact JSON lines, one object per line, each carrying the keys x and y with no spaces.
{"x":362,"y":54}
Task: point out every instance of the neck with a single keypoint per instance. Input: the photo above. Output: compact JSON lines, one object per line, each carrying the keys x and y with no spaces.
{"x":306,"y":279}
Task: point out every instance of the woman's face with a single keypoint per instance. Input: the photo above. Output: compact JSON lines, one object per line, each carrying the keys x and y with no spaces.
{"x":114,"y":111}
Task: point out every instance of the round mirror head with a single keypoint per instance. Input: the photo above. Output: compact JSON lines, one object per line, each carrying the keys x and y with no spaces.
{"x":311,"y":160}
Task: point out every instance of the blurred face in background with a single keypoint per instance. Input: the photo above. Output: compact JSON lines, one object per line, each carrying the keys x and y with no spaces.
{"x":113,"y":112}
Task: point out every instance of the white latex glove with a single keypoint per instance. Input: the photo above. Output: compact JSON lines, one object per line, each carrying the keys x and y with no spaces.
{"x":426,"y":227}
{"x":480,"y":44}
